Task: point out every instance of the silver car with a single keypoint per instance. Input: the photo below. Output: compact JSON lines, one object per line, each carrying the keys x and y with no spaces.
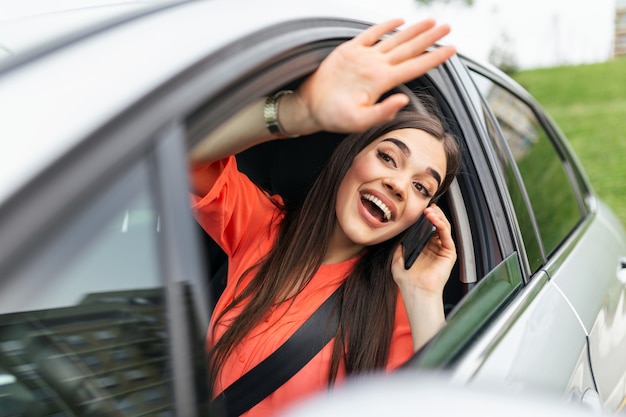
{"x":107,"y":283}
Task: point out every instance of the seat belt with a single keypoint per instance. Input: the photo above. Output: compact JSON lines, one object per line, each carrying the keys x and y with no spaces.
{"x":269,"y":375}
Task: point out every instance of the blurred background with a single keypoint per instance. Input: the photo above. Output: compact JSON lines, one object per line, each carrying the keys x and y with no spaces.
{"x":527,"y":34}
{"x":570,"y":54}
{"x":524,"y":34}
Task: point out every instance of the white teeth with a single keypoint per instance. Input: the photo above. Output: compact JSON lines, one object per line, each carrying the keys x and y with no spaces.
{"x":382,"y":206}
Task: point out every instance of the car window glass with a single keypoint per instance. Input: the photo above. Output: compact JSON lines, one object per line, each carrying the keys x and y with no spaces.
{"x":524,"y":220}
{"x":82,"y":329}
{"x":545,"y":179}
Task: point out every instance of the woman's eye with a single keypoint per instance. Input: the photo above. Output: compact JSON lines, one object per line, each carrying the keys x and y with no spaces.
{"x":421,"y":189}
{"x":387,"y":158}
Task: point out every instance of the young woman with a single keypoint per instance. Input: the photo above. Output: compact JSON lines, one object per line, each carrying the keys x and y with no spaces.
{"x":284,"y":265}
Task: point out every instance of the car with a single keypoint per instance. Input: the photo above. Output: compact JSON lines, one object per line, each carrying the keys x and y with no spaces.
{"x":107,"y":283}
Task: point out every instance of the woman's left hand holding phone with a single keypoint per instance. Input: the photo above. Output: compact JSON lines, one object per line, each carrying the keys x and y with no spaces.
{"x":422,"y":285}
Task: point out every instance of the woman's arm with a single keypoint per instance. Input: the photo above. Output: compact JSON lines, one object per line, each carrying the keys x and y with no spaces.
{"x":342,"y":94}
{"x":422,"y":285}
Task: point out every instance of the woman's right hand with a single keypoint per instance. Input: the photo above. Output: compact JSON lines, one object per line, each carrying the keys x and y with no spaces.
{"x":342,"y":94}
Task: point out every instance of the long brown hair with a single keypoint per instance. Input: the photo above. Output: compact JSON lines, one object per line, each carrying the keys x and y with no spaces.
{"x":367,"y":305}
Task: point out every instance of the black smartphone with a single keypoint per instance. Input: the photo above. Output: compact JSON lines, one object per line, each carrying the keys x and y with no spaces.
{"x":415,"y":239}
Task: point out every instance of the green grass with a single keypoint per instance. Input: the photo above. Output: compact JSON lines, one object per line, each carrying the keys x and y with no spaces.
{"x":588,"y":102}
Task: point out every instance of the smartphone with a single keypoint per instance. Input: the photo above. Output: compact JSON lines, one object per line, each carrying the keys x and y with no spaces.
{"x":415,"y":239}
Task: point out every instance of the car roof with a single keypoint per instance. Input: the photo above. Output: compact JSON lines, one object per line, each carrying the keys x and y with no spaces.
{"x":57,"y":97}
{"x":25,"y":28}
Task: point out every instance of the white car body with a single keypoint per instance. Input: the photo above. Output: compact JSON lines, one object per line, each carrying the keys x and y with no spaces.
{"x":125,"y":89}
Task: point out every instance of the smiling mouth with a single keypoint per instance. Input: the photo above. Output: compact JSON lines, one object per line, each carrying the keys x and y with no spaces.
{"x":376,"y":207}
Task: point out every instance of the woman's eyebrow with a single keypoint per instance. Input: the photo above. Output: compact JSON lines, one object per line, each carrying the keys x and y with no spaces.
{"x":435,"y":175}
{"x":407,"y":152}
{"x":405,"y":149}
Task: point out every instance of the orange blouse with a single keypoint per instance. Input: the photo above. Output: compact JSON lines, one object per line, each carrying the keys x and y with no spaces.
{"x":244,"y":221}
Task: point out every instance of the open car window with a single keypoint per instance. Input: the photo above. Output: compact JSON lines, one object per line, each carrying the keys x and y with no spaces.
{"x":288,"y":168}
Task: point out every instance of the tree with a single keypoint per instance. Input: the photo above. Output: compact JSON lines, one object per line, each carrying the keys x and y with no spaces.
{"x":501,"y":55}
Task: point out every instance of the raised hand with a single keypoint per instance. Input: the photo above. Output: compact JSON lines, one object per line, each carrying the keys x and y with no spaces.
{"x":342,"y":94}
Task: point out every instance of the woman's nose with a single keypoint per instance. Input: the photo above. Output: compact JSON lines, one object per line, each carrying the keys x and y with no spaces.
{"x":396,"y":187}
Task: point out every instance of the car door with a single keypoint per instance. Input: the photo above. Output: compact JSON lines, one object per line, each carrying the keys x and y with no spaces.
{"x":541,"y":341}
{"x":589,"y":271}
{"x":583,"y":245}
{"x":590,"y":276}
{"x":100,"y":310}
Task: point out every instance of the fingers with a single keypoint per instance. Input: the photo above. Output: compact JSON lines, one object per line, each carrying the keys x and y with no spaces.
{"x":416,"y":44}
{"x":385,"y":110}
{"x":404,"y":51}
{"x":437,"y":217}
{"x":342,"y":95}
{"x":373,"y":34}
{"x":420,"y":65}
{"x":404,"y":35}
{"x":441,"y":222}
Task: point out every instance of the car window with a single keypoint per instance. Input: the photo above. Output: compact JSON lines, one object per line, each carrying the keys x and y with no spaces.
{"x":82,"y":325}
{"x":525,"y":222}
{"x":550,"y":194}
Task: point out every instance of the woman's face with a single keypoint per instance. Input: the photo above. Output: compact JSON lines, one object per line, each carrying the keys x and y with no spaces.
{"x":388,"y":186}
